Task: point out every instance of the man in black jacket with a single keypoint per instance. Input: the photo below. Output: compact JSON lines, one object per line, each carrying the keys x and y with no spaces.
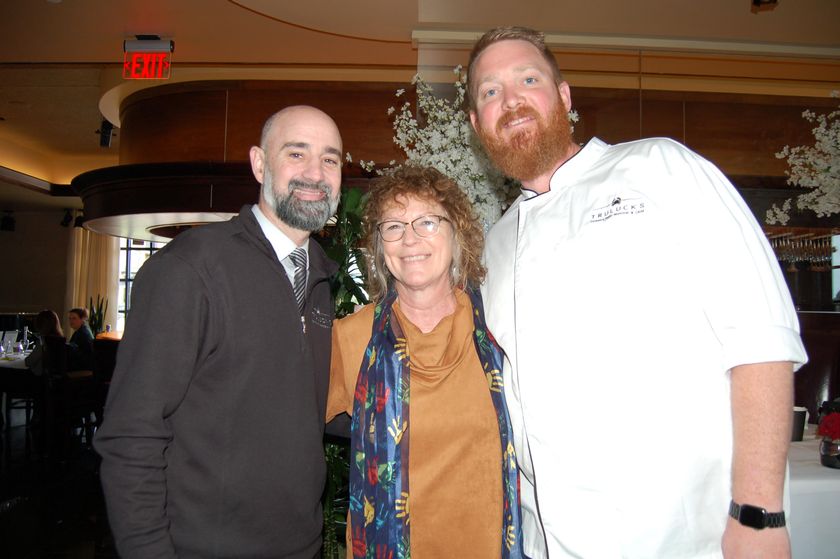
{"x":212,"y":439}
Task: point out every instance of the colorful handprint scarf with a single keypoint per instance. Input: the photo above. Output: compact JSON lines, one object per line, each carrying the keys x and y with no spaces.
{"x":379,"y":461}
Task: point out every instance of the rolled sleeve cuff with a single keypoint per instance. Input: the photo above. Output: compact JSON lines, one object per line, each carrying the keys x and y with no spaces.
{"x":762,"y":344}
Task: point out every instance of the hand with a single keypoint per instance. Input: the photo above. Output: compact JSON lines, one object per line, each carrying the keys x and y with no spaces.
{"x":742,"y":542}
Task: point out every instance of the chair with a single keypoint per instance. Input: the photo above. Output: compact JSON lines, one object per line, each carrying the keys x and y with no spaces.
{"x":105,"y":358}
{"x":55,"y":369}
{"x":104,"y":363}
{"x":80,"y":408}
{"x":20,"y":395}
{"x":72,"y":398}
{"x":22,"y":391}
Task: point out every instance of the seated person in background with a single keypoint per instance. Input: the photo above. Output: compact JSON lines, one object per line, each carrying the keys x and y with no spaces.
{"x":80,"y":354}
{"x":46,"y":325}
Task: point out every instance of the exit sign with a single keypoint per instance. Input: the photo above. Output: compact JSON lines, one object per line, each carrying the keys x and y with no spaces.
{"x":147,"y":65}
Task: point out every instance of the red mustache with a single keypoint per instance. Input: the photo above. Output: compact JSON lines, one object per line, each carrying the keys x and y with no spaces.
{"x":519,"y":113}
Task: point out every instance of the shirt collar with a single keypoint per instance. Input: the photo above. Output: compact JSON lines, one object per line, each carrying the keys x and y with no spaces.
{"x":569,"y":171}
{"x":282,"y":245}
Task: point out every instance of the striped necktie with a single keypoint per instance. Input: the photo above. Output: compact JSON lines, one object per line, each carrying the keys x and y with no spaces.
{"x":298,"y":257}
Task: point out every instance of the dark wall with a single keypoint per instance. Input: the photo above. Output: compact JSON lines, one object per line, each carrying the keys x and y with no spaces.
{"x":33,"y":273}
{"x":819,"y":379}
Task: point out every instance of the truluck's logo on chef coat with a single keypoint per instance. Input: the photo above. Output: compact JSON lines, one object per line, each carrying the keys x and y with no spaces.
{"x":617,"y":206}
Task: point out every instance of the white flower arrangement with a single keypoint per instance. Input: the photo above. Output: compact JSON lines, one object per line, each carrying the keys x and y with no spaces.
{"x":440,"y":135}
{"x":815,"y":167}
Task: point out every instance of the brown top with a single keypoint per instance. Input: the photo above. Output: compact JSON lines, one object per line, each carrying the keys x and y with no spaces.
{"x":455,"y":453}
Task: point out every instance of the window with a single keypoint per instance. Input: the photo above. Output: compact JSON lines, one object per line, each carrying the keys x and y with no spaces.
{"x":133,"y":254}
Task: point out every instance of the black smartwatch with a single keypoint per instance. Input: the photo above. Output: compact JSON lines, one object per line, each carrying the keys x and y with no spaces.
{"x":756,"y":517}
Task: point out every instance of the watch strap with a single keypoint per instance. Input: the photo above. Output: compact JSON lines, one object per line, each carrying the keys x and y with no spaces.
{"x":756,"y":517}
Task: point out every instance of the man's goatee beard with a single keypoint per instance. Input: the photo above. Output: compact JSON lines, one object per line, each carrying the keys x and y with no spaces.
{"x":528,"y":155}
{"x":305,"y":215}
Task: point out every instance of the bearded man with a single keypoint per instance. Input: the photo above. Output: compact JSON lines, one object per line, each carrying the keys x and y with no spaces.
{"x":212,"y":442}
{"x":649,"y":335}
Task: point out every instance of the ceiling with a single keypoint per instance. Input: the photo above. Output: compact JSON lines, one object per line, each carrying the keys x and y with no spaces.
{"x":61,"y":59}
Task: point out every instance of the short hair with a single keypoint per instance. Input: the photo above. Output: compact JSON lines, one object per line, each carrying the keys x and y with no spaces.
{"x":266,"y":130}
{"x":80,"y":311}
{"x":510,"y":33}
{"x":429,"y":185}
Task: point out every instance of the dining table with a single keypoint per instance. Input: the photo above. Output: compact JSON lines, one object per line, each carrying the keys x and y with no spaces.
{"x":12,"y":366}
{"x":14,"y":360}
{"x":814,"y":519}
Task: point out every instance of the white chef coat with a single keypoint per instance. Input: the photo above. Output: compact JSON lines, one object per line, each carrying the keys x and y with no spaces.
{"x":622,"y":298}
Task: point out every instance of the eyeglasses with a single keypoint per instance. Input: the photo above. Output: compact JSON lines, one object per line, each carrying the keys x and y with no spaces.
{"x":424,"y":226}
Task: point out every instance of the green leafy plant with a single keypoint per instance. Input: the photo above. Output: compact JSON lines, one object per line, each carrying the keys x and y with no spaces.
{"x":341,"y":243}
{"x":336,"y":499}
{"x":96,"y":314}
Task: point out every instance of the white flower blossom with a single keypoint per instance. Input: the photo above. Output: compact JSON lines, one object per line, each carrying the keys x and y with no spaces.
{"x":814,"y":167}
{"x":437,"y":133}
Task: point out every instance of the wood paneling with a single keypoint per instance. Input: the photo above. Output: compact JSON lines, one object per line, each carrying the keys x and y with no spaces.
{"x":739,"y":133}
{"x":220,"y":121}
{"x":175,"y":125}
{"x":217,"y":122}
{"x":166,"y":187}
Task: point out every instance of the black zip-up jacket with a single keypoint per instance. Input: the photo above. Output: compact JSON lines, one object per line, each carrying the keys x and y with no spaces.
{"x":212,"y":440}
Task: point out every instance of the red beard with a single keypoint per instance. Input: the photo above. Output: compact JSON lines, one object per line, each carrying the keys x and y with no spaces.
{"x":527,"y":155}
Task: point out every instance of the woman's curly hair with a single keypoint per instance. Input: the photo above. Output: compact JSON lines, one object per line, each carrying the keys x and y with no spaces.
{"x":429,"y":185}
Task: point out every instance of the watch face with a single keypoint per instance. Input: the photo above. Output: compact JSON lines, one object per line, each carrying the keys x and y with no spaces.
{"x":752,"y":516}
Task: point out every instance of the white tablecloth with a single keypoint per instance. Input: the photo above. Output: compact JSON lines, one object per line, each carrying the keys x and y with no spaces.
{"x":814,"y":520}
{"x":13,"y":361}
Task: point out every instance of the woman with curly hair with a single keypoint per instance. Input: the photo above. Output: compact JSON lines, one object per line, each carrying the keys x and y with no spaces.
{"x":433,"y":474}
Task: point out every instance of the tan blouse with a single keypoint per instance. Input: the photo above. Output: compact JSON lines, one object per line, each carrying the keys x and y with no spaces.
{"x":455,"y":455}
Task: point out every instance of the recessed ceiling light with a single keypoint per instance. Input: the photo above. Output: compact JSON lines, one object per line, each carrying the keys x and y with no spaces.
{"x":54,"y":1}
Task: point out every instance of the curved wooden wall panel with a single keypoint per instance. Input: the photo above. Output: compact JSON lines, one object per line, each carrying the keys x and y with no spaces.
{"x":220,"y":121}
{"x":207,"y":128}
